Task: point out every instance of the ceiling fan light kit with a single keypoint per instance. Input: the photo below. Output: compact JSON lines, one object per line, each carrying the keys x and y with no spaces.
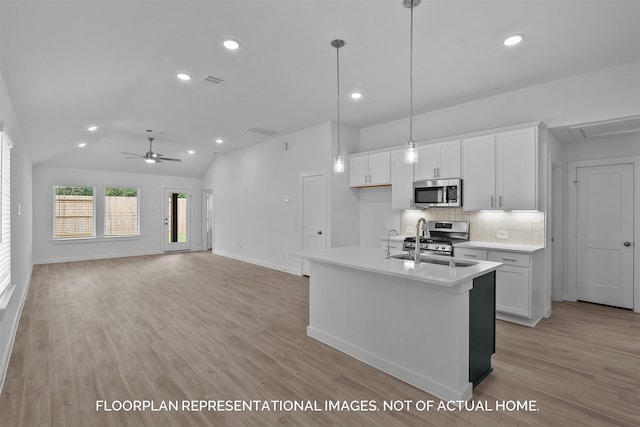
{"x":150,"y":156}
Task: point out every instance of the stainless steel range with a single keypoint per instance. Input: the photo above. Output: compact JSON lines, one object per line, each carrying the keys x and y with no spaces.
{"x":440,"y":238}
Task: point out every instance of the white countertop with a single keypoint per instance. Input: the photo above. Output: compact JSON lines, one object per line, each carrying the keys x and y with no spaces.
{"x":373,"y":260}
{"x":499,"y":246}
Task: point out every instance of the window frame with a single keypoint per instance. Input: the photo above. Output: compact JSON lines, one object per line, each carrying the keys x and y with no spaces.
{"x":104,"y":213}
{"x":78,"y":238}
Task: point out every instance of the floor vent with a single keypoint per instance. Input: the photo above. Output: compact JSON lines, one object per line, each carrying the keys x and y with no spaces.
{"x":212,"y":80}
{"x":262,"y":131}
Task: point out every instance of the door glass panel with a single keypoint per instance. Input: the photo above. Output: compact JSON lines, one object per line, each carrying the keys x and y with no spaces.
{"x":177,"y":217}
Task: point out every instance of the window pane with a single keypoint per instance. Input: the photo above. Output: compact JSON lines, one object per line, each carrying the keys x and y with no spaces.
{"x":74,"y":212}
{"x":121,"y":211}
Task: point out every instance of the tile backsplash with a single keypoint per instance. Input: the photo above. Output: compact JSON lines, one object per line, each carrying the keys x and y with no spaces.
{"x":520,"y":228}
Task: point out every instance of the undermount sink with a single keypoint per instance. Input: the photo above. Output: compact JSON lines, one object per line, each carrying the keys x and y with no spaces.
{"x":408,"y":257}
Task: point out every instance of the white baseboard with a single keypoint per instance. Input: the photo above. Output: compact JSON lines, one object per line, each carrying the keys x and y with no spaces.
{"x":4,"y":362}
{"x":294,"y":271}
{"x":93,"y":257}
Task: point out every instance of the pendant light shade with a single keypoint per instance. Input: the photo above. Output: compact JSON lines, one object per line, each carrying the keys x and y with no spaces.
{"x":410,"y":149}
{"x":338,"y":160}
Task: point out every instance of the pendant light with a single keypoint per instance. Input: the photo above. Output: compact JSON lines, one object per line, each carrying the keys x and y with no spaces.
{"x":410,"y":149}
{"x":338,"y":161}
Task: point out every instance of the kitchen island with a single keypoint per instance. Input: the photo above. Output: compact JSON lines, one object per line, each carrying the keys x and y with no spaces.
{"x":409,"y":320}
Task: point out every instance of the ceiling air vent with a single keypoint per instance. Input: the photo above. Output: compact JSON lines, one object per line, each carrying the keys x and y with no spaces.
{"x":605,"y":128}
{"x":212,"y":80}
{"x":262,"y":131}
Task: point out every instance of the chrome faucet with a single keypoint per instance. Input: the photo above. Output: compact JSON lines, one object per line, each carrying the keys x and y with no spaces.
{"x":388,"y":251}
{"x":420,"y":222}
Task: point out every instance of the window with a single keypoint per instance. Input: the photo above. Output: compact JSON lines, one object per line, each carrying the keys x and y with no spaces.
{"x":121,"y":212}
{"x":74,"y":212}
{"x":5,"y":214}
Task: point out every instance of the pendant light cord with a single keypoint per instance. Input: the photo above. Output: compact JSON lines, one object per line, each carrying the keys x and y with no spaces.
{"x":411,"y":77}
{"x":338,"y":93}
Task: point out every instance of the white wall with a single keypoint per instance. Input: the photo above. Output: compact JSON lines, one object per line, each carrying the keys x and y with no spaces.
{"x":252,"y":221}
{"x":344,"y":200}
{"x":599,"y":95}
{"x":21,"y":228}
{"x":151,"y":213}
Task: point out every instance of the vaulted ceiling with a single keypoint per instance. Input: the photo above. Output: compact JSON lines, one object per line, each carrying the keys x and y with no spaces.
{"x":70,"y":64}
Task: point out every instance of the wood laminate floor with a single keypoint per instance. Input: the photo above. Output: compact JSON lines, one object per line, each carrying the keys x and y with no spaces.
{"x":196,"y":326}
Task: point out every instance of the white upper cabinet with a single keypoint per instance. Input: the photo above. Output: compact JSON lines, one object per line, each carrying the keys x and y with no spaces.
{"x":401,"y":182}
{"x":440,"y":160}
{"x":479,"y":173}
{"x":500,"y":171}
{"x":517,"y":169}
{"x":367,"y":170}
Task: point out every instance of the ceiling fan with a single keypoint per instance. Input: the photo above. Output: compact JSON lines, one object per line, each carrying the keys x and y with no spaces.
{"x":150,"y":156}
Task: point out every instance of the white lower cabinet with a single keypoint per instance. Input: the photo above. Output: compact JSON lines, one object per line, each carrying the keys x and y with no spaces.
{"x":513,"y":290}
{"x":519,"y":283}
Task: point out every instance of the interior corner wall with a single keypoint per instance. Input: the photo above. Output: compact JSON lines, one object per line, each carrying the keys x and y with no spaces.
{"x":151,"y":199}
{"x":21,"y":228}
{"x":257,"y":202}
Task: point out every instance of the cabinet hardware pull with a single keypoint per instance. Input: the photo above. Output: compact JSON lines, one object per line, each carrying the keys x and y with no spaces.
{"x":627,"y":243}
{"x":470,"y":255}
{"x":491,"y":201}
{"x":509,"y":259}
{"x":434,"y":173}
{"x":438,"y":169}
{"x":500,"y":201}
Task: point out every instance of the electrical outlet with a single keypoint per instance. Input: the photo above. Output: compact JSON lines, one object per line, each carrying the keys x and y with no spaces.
{"x":502,"y":234}
{"x":385,"y":224}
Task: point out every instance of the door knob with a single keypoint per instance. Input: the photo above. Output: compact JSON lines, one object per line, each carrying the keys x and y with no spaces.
{"x":627,"y":243}
{"x":319,"y":232}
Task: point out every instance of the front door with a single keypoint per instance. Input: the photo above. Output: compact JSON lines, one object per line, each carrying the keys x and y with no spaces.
{"x":177,"y":220}
{"x":605,"y":234}
{"x":313,"y":216}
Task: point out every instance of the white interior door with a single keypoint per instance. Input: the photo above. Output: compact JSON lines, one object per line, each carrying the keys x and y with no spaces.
{"x":177,"y":219}
{"x":605,"y":235}
{"x":313,"y":215}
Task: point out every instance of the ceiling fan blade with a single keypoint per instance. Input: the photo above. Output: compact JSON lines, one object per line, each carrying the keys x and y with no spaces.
{"x":136,"y":157}
{"x":169,"y":159}
{"x":132,"y":154}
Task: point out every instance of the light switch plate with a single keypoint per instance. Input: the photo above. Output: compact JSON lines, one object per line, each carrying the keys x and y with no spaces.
{"x":503,"y":234}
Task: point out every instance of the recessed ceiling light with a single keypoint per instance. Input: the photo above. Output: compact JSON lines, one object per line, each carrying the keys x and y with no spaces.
{"x":219,"y":141}
{"x":92,"y":128}
{"x":184,"y":76}
{"x":356,"y":95}
{"x":513,"y":40}
{"x":82,"y":144}
{"x":191,"y":152}
{"x":231,"y":44}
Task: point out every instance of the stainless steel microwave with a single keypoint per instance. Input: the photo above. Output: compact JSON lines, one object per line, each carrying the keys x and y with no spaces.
{"x":438,"y":193}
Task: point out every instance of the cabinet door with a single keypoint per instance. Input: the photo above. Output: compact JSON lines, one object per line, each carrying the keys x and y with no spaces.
{"x":358,"y":171}
{"x":449,"y":160}
{"x":513,"y":290}
{"x":517,"y":169}
{"x":401,"y":182}
{"x":479,"y":165}
{"x":428,"y":162}
{"x":380,"y":168}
